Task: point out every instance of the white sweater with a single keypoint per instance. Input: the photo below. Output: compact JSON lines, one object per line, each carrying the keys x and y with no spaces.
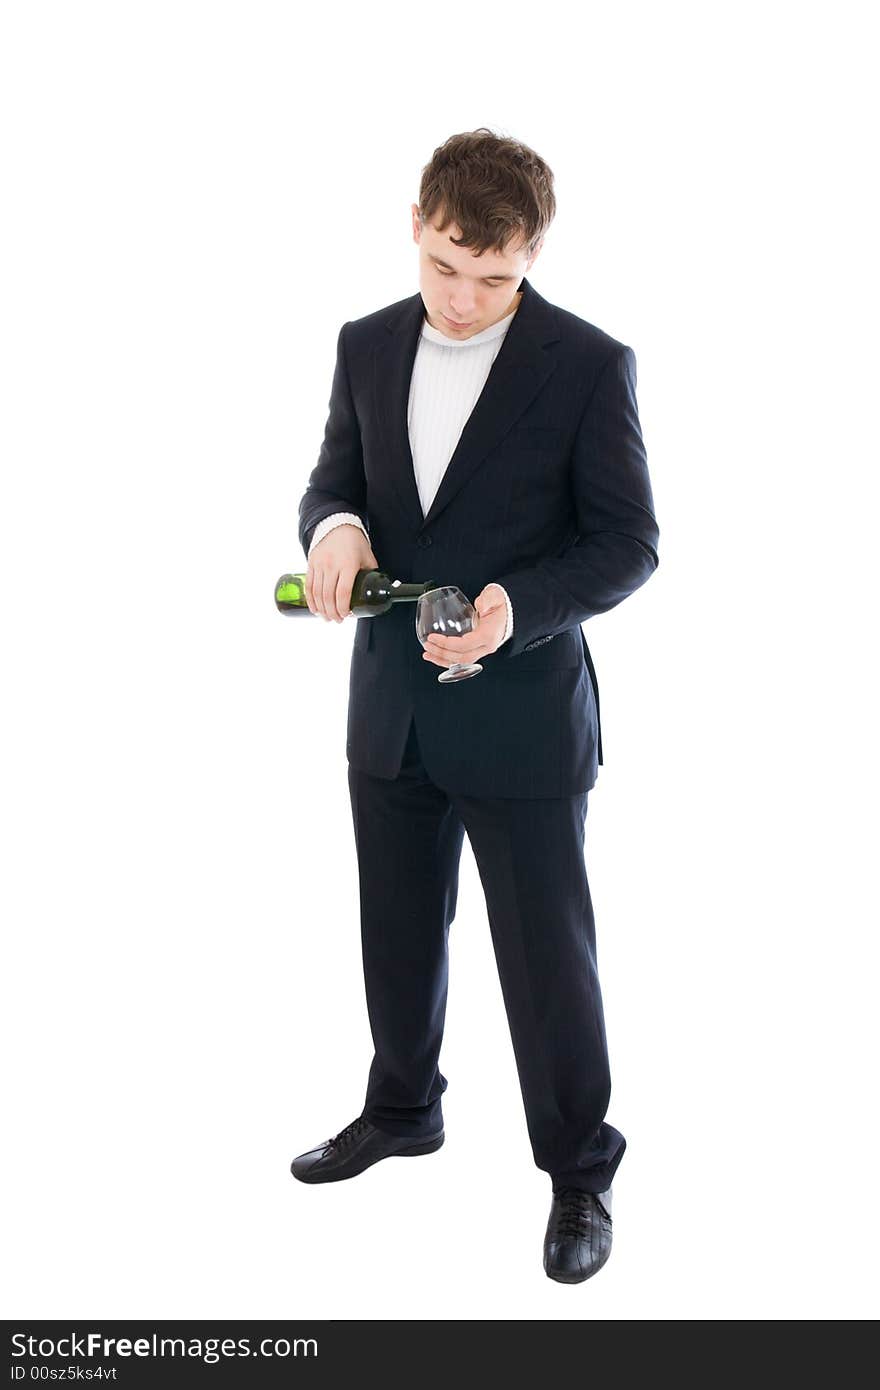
{"x":448,"y":376}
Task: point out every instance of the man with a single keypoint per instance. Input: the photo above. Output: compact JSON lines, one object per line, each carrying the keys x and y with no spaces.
{"x":481,"y":436}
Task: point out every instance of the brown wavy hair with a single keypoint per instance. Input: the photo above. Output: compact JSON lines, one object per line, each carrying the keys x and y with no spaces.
{"x":494,"y":188}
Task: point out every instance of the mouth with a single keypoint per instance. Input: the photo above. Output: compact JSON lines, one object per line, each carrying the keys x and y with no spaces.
{"x":457,"y":325}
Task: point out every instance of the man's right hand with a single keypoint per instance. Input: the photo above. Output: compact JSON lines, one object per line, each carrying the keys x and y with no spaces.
{"x":332,"y":567}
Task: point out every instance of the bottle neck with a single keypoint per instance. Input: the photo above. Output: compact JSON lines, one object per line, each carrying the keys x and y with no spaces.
{"x":401,"y":593}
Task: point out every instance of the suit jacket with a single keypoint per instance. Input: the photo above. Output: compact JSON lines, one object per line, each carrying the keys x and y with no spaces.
{"x":547,"y":493}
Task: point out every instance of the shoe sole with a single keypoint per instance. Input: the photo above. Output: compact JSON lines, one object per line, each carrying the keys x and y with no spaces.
{"x":427,"y":1146}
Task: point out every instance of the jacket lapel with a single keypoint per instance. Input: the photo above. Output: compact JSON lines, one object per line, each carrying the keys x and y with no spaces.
{"x":518,"y":373}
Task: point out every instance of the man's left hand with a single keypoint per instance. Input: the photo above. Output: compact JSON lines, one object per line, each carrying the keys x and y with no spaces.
{"x":485,"y":637}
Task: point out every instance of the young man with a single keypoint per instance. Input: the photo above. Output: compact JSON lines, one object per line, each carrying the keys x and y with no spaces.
{"x":481,"y":436}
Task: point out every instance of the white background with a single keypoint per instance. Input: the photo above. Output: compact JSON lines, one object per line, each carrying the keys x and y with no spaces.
{"x":196,"y":197}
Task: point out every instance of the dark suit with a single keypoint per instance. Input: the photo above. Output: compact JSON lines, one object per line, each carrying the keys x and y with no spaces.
{"x":548,"y":494}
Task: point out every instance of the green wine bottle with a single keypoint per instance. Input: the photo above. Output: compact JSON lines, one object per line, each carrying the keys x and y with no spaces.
{"x":373,"y":592}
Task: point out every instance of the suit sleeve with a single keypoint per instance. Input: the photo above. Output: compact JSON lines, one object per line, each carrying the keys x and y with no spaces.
{"x":337,"y":483}
{"x":615,"y":549}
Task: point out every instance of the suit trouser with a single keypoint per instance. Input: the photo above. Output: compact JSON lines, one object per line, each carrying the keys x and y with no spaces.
{"x":530,"y":857}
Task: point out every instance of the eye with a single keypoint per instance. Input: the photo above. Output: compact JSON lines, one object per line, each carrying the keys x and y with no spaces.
{"x":451,"y":272}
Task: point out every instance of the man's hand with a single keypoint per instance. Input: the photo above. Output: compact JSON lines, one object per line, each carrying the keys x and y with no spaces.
{"x":333,"y":566}
{"x":485,"y":638}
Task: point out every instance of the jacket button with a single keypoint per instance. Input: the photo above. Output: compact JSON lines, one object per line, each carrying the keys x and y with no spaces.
{"x":424,"y":541}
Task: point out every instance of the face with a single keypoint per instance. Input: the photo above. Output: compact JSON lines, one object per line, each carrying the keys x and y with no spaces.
{"x":464,"y":293}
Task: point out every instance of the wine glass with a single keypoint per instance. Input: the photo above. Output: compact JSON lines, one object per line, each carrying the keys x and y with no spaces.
{"x":448,"y":612}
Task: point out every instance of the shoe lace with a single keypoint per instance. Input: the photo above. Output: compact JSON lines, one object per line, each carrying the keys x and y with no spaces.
{"x":575,"y":1213}
{"x":347,"y":1135}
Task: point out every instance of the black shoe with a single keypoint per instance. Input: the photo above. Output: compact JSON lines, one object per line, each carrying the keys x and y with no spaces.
{"x":355,"y":1148}
{"x":578,"y":1239}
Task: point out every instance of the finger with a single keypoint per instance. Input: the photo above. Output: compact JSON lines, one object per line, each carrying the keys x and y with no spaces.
{"x":343,"y":592}
{"x":318,"y":592}
{"x":324,"y":582}
{"x":449,"y":658}
{"x":453,"y":647}
{"x":310,"y":590}
{"x":330,"y":582}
